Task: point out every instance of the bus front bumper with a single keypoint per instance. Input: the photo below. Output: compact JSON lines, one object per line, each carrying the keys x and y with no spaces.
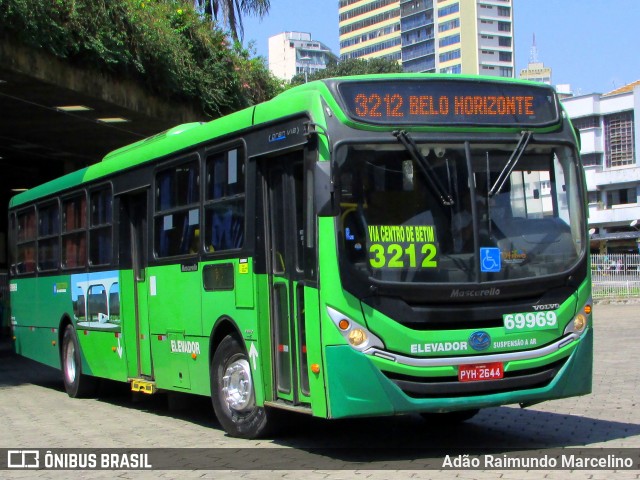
{"x":358,"y":387}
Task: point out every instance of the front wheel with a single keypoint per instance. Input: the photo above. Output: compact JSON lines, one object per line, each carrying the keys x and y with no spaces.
{"x":76,"y":383}
{"x":232,"y":392}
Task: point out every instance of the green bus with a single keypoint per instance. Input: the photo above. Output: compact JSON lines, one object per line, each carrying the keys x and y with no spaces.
{"x":362,"y":246}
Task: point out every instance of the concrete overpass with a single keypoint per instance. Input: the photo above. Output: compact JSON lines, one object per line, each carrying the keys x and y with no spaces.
{"x":56,"y":117}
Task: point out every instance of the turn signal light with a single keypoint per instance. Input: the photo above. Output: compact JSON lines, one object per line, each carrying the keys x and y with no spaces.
{"x":343,"y":324}
{"x":587,"y":309}
{"x":315,"y":368}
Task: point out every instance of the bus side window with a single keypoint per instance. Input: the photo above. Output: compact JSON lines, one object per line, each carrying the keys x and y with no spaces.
{"x":225,"y":201}
{"x":177,"y":220}
{"x":48,"y":241}
{"x":74,"y":235}
{"x":100,"y":229}
{"x":26,"y":245}
{"x":26,"y":258}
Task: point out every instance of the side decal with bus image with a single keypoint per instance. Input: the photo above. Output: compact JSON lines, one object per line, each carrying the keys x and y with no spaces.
{"x":96,"y":300}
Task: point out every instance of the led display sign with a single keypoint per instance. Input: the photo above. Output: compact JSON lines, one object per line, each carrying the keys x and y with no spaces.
{"x":448,"y":102}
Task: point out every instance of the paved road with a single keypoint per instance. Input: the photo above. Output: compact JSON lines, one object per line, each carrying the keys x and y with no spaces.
{"x":35,"y":412}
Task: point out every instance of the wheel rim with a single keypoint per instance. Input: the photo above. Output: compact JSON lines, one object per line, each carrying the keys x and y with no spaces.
{"x":70,"y":362}
{"x":237,"y":386}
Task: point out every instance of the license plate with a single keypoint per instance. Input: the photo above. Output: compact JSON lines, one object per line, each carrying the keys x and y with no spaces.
{"x":478,"y":373}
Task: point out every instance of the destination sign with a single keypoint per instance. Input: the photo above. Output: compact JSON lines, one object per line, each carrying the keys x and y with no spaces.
{"x":449,"y":102}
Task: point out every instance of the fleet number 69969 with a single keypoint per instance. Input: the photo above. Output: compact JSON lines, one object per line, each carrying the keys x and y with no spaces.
{"x":523,"y":322}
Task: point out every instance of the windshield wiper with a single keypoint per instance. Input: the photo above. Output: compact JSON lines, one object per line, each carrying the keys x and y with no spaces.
{"x":511,"y":163}
{"x":431,"y":177}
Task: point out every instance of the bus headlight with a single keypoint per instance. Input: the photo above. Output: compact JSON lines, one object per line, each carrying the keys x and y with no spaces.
{"x":355,"y":334}
{"x":580,"y":320}
{"x":357,"y":337}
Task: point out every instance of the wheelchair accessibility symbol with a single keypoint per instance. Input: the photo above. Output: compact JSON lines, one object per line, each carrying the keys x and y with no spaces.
{"x":490,"y":259}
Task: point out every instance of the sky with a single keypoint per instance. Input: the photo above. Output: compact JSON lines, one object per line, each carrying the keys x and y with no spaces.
{"x":590,"y":44}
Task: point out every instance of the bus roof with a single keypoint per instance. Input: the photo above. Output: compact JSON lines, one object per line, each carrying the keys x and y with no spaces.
{"x":294,"y":100}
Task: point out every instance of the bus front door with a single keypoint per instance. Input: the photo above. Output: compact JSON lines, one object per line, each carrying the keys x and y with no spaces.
{"x":133,"y":252}
{"x":284,"y":225}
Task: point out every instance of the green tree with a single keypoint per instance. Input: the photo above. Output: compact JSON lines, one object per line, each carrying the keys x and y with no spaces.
{"x":230,"y":12}
{"x":349,"y":67}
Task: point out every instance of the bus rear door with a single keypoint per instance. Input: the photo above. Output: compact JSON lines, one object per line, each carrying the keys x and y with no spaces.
{"x":134,"y":245}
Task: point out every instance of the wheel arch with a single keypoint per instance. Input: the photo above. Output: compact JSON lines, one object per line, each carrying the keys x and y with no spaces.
{"x":65,"y":321}
{"x":224,"y":326}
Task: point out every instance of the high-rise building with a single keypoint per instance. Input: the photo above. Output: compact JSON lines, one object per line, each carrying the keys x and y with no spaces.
{"x":369,"y":29}
{"x":449,"y":36}
{"x":291,"y":53}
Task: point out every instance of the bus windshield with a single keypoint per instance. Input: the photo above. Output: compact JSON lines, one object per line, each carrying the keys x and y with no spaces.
{"x":518,"y":222}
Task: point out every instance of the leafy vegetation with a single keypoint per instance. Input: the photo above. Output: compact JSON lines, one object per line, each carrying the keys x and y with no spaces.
{"x":163,"y":44}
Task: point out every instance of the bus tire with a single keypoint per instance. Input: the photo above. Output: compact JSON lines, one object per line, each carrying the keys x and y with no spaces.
{"x":76,"y":383}
{"x":232,"y":391}
{"x":449,"y":418}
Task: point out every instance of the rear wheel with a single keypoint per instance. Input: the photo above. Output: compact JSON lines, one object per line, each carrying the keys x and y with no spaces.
{"x":76,"y":383}
{"x":232,"y":392}
{"x":450,"y":418}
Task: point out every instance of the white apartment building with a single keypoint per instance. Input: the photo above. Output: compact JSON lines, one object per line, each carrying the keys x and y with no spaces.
{"x":610,"y":139}
{"x":291,"y":53}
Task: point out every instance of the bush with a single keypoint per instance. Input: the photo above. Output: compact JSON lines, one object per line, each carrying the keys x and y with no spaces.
{"x":163,"y":44}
